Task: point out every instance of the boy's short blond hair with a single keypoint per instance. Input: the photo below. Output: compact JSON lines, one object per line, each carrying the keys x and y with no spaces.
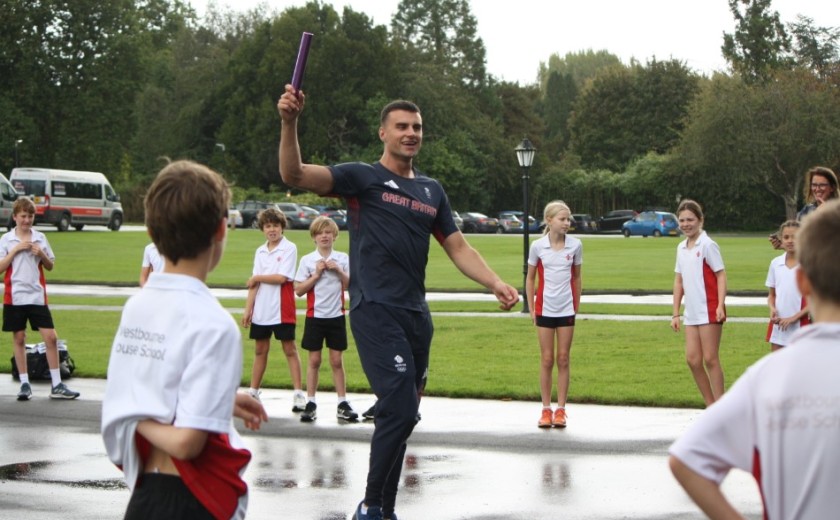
{"x":321,"y":224}
{"x":23,"y":205}
{"x":816,"y":250}
{"x":273,"y":216}
{"x":184,"y":206}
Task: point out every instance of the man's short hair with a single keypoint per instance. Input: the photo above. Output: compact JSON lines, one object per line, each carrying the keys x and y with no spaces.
{"x":399,"y":104}
{"x":273,"y":216}
{"x":321,"y":224}
{"x":816,"y":250}
{"x":184,"y":206}
{"x":23,"y":205}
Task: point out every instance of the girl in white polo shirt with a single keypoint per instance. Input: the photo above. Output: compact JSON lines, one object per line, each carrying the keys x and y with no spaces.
{"x":700,"y":277}
{"x":556,"y":258}
{"x":788,"y":309}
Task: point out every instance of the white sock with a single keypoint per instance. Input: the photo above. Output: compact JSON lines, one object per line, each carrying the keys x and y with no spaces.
{"x":24,"y":378}
{"x":310,"y":398}
{"x":55,"y":375}
{"x":342,"y":399}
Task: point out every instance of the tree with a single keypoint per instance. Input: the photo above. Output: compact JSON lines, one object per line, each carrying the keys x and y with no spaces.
{"x":581,"y":66}
{"x":815,"y":48}
{"x":446,"y":34}
{"x":744,"y":141}
{"x":74,"y":70}
{"x":625,"y":113}
{"x":759,"y":44}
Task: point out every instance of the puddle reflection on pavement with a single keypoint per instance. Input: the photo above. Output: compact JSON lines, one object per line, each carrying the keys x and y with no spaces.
{"x":70,"y":478}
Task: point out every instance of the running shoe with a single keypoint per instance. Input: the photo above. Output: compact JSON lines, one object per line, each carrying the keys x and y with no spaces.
{"x":545,"y":418}
{"x":559,"y":420}
{"x":60,"y":391}
{"x":373,"y":513}
{"x":299,"y":402}
{"x":345,"y":412}
{"x":369,"y":413}
{"x":309,"y":414}
{"x":25,"y":393}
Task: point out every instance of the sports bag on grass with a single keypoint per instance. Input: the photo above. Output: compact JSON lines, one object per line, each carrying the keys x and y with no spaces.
{"x":36,"y":362}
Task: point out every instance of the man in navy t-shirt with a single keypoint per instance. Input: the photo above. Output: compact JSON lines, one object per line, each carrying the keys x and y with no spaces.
{"x":392,"y":210}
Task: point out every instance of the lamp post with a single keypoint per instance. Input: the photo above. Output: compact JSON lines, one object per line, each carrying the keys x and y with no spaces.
{"x":17,"y":154}
{"x":525,"y":155}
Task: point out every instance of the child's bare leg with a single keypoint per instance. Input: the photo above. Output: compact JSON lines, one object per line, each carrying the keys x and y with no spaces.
{"x":337,"y":365}
{"x":546,"y":338}
{"x":564,"y":347}
{"x":261,"y":349}
{"x":290,"y":349}
{"x":312,"y":369}
{"x":19,"y":341}
{"x":51,"y":341}
{"x":710,"y":344}
{"x":694,"y":358}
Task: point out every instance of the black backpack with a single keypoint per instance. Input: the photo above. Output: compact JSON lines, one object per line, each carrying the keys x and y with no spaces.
{"x":36,"y":363}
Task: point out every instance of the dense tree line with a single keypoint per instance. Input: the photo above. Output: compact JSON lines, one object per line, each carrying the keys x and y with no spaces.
{"x":119,"y":85}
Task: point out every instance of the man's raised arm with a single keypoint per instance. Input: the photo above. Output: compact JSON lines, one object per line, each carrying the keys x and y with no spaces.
{"x":293,"y":171}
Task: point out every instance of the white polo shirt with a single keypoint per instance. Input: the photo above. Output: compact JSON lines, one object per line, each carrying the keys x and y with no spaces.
{"x":326,"y":298}
{"x":789,"y":300}
{"x":152,"y":258}
{"x":698,"y":266}
{"x":275,"y":304}
{"x":24,"y":281}
{"x":555,"y":284}
{"x":781,"y":422}
{"x":176,"y":358}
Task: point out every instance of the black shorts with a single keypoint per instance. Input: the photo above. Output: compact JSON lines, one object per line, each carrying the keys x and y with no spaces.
{"x":282,"y":331}
{"x":318,"y":330}
{"x":16,"y":316}
{"x":549,"y":322}
{"x":158,"y":495}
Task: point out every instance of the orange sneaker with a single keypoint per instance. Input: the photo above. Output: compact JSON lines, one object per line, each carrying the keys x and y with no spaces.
{"x":559,"y":420}
{"x":545,"y":418}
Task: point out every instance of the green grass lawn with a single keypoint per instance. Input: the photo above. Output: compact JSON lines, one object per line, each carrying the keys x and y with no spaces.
{"x":613,"y":362}
{"x":610,"y":265}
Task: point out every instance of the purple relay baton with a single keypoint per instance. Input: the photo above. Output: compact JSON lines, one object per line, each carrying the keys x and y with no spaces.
{"x":300,"y":64}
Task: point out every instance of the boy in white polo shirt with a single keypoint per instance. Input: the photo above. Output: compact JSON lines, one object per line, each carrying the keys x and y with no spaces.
{"x":322,"y":276}
{"x":176,"y":364}
{"x":271,"y":302}
{"x":781,"y":420}
{"x":25,"y":252}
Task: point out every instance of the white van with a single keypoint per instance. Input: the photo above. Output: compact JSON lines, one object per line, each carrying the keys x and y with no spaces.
{"x":69,"y":198}
{"x":8,"y":195}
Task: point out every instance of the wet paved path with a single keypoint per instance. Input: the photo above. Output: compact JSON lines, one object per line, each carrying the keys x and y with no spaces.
{"x":467,"y":460}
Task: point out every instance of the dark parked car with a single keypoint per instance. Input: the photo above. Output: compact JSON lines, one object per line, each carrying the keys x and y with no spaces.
{"x":535,"y":226}
{"x":613,"y":220}
{"x":479,"y":223}
{"x":656,"y":223}
{"x":299,"y":217}
{"x":583,"y":223}
{"x":339,"y":216}
{"x":249,"y":209}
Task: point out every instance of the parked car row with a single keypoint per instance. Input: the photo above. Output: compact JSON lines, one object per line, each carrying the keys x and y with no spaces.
{"x":625,"y":221}
{"x":245,"y":213}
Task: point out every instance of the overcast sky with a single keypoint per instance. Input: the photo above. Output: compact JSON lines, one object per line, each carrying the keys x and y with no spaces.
{"x":521,"y":34}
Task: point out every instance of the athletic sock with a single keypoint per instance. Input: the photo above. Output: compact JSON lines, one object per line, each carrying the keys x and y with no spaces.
{"x":55,"y":375}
